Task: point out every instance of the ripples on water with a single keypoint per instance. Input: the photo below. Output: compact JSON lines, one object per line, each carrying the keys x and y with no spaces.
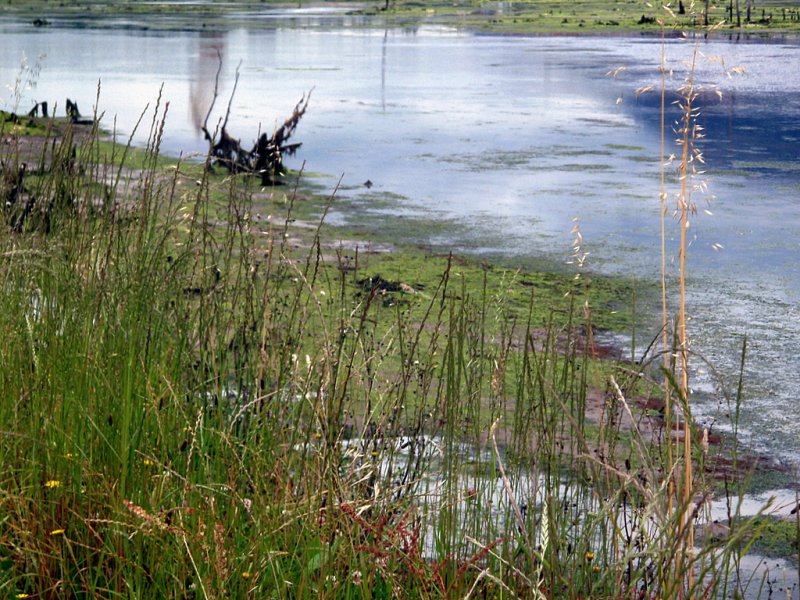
{"x":506,"y":138}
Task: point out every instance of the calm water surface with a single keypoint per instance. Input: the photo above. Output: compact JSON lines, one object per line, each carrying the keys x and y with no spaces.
{"x":500,"y":142}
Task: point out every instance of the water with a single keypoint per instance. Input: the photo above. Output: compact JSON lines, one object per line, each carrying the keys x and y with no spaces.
{"x":501,"y":141}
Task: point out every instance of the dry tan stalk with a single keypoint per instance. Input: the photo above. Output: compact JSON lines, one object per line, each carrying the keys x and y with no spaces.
{"x":664,"y":307}
{"x":149,"y":521}
{"x":499,"y":558}
{"x":637,"y":439}
{"x":507,"y":485}
{"x":683,"y":349}
{"x":194,"y":566}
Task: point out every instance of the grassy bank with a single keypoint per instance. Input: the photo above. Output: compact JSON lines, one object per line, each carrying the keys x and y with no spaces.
{"x":208,"y":394}
{"x":518,"y":16}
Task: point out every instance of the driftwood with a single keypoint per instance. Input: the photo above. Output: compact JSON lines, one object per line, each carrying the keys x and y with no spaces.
{"x":17,"y":202}
{"x":75,"y":115}
{"x":27,"y":208}
{"x":22,"y":209}
{"x":34,"y":112}
{"x":269,"y":151}
{"x":265,"y":159}
{"x":72,"y":110}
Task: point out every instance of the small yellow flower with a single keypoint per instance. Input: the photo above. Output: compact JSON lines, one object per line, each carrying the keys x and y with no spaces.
{"x":22,"y":595}
{"x":57,"y":532}
{"x":246,"y":574}
{"x":148,"y":462}
{"x":590,"y":556}
{"x":52,"y":483}
{"x":317,"y":434}
{"x":595,"y":568}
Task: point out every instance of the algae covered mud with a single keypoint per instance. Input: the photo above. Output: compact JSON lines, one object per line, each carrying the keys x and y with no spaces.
{"x":492,"y":145}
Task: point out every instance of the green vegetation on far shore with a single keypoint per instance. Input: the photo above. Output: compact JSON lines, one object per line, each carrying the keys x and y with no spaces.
{"x":516,"y":16}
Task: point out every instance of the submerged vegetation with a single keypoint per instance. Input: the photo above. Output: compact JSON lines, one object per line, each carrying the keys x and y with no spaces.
{"x":207,"y":393}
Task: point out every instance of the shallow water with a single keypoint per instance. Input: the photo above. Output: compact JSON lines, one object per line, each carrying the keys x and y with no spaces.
{"x":501,"y":141}
{"x":490,"y":508}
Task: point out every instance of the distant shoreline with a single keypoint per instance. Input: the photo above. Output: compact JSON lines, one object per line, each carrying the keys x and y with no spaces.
{"x":534,"y":19}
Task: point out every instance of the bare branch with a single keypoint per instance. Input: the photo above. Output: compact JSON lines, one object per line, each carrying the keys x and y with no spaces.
{"x":214,"y":98}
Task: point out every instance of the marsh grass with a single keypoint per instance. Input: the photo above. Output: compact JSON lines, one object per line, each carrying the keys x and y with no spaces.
{"x":197,"y":406}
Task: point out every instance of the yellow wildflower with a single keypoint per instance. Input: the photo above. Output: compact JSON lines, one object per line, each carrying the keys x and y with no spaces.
{"x":57,"y":532}
{"x":52,"y":483}
{"x":590,"y":556}
{"x":246,"y":574}
{"x":148,"y":462}
{"x":22,"y":595}
{"x":596,"y":568}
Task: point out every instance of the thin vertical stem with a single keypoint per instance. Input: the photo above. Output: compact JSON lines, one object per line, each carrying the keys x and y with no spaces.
{"x":664,"y":311}
{"x":683,"y":354}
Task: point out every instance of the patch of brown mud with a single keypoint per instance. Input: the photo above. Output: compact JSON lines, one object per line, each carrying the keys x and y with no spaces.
{"x":36,"y":151}
{"x":718,"y":461}
{"x":643,"y":418}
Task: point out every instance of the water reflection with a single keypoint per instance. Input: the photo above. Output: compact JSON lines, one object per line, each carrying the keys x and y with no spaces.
{"x":207,"y":69}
